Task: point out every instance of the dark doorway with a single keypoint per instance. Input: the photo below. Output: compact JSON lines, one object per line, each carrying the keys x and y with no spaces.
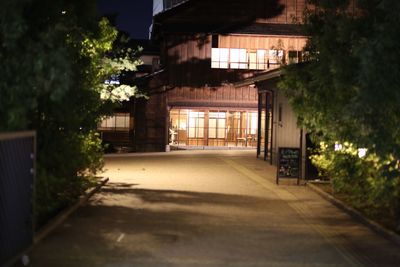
{"x":311,"y":170}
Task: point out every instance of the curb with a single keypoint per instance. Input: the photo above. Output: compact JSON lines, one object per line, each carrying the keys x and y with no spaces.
{"x":388,"y":234}
{"x":56,"y":221}
{"x":60,"y":218}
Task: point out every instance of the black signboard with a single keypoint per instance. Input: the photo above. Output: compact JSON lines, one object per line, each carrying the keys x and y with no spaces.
{"x":288,"y":163}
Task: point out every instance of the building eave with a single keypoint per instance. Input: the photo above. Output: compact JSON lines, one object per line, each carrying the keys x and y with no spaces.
{"x":275,"y":73}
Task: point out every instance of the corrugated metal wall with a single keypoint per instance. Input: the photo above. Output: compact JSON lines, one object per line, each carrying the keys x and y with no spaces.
{"x":17,"y":172}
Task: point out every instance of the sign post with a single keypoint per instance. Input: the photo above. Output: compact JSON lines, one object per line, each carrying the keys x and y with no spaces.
{"x":288,"y":164}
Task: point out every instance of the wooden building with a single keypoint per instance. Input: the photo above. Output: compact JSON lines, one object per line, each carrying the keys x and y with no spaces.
{"x":204,"y":93}
{"x":277,"y":123}
{"x":119,"y":130}
{"x":205,"y":48}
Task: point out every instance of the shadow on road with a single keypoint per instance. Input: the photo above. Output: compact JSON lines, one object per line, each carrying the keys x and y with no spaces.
{"x":126,"y":225}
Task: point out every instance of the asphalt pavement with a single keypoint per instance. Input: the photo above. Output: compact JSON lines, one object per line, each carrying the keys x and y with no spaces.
{"x":208,"y":208}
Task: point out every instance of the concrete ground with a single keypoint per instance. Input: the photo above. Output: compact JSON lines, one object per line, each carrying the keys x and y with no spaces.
{"x":208,"y":208}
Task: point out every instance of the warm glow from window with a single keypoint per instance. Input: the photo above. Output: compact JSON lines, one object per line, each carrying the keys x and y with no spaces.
{"x":253,"y":60}
{"x":213,"y":128}
{"x":196,"y":124}
{"x":253,"y":122}
{"x":216,"y":124}
{"x":238,"y":58}
{"x":275,"y":56}
{"x":219,"y":58}
{"x":261,"y":61}
{"x":120,"y":121}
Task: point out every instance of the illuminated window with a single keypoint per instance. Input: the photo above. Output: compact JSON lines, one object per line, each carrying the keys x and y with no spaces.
{"x":219,"y":58}
{"x":275,"y":56}
{"x":253,"y":122}
{"x":216,"y":125}
{"x":212,"y":128}
{"x":196,"y":124}
{"x":261,"y":62}
{"x":257,"y":59}
{"x":238,"y":58}
{"x":235,"y":58}
{"x":118,"y":122}
{"x":252,"y":60}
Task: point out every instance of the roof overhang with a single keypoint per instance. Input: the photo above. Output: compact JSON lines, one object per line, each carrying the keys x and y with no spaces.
{"x":275,"y":73}
{"x":209,"y":16}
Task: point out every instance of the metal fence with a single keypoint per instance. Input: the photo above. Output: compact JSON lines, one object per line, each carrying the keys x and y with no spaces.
{"x":17,"y":179}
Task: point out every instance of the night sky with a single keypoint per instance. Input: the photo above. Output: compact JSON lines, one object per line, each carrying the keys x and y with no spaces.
{"x":133,"y":16}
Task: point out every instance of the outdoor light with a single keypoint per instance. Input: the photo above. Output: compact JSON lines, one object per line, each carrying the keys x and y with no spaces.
{"x":338,"y":147}
{"x":362,"y":152}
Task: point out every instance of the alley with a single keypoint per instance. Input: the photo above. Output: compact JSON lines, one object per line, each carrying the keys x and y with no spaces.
{"x":207,"y":208}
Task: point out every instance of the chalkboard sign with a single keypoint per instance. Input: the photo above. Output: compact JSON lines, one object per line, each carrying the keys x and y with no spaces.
{"x":288,"y":163}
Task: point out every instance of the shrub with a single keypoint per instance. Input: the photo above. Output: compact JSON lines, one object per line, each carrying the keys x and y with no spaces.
{"x":368,"y":183}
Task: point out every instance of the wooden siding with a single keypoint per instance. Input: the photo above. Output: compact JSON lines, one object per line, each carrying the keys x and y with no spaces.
{"x":227,"y":96}
{"x":211,"y":15}
{"x":292,"y":12}
{"x":285,"y":133}
{"x":118,"y":138}
{"x":188,"y":58}
{"x":189,"y":61}
{"x":150,"y":128}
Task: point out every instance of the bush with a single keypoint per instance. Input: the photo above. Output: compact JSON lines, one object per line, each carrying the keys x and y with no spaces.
{"x":55,"y":62}
{"x":368,"y":183}
{"x":66,"y":168}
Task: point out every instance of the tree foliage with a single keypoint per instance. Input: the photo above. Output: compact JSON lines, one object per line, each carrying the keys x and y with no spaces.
{"x":349,"y":90}
{"x":56,"y":55}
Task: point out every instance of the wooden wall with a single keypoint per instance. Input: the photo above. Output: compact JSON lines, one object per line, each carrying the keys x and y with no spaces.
{"x":150,"y":127}
{"x":188,"y":58}
{"x":286,"y":133}
{"x":190,"y":80}
{"x":292,"y":12}
{"x":188,"y":61}
{"x":227,"y":96}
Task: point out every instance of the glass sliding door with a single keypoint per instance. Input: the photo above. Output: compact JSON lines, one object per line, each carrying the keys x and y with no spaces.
{"x":252,"y":121}
{"x":234,"y":131}
{"x":216,"y":128}
{"x":178,"y":127}
{"x":196,"y":128}
{"x":190,"y":127}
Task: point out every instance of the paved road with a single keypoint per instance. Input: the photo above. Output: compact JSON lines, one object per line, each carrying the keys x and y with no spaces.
{"x":206,"y":209}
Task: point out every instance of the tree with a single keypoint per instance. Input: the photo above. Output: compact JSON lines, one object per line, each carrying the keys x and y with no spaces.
{"x":348,"y":93}
{"x":56,"y":55}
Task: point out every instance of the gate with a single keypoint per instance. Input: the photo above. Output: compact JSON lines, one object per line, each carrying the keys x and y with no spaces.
{"x":17,"y":179}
